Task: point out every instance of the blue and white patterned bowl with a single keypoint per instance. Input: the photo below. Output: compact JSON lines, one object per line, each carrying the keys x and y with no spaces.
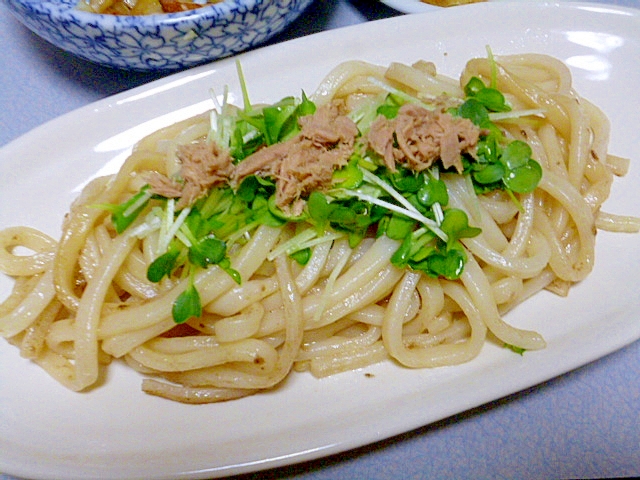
{"x":167,"y":41}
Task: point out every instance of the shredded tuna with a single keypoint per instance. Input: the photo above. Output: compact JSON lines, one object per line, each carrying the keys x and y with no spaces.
{"x":203,"y":165}
{"x":307,"y":161}
{"x":418,"y":137}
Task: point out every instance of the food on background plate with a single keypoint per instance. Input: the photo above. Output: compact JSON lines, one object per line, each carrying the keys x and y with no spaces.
{"x":450,"y":3}
{"x":394,"y":215}
{"x":142,"y":7}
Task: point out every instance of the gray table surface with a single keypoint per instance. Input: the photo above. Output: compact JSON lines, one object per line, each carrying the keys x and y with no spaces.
{"x":584,"y":424}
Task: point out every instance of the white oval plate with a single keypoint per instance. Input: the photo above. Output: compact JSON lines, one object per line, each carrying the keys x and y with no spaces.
{"x":116,"y":431}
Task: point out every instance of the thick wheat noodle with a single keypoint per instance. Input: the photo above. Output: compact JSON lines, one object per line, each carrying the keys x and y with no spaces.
{"x":81,"y":302}
{"x":353,"y":299}
{"x":458,"y":331}
{"x":90,"y":309}
{"x":31,"y":306}
{"x":193,"y":395}
{"x":343,"y":74}
{"x":440,"y":354}
{"x":59,"y":367}
{"x":562,"y":191}
{"x":245,"y":350}
{"x":526,"y":92}
{"x":461,"y":196}
{"x":579,"y":142}
{"x":213,"y":281}
{"x":427,"y":85}
{"x":61,"y":337}
{"x":334,"y":346}
{"x":524,"y":226}
{"x":480,"y":292}
{"x":240,"y":297}
{"x":352,"y":358}
{"x":41,"y":244}
{"x":617,"y":223}
{"x":243,"y":324}
{"x":119,"y":345}
{"x":35,"y":334}
{"x":374,"y":291}
{"x":524,"y":267}
{"x":82,"y":219}
{"x":529,"y":288}
{"x":495,"y":250}
{"x":294,"y":329}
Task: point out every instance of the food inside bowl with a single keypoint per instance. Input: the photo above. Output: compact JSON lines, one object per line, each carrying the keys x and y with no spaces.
{"x":450,"y":3}
{"x":142,"y":7}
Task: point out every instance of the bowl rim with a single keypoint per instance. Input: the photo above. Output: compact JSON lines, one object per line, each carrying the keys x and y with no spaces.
{"x":67,"y":10}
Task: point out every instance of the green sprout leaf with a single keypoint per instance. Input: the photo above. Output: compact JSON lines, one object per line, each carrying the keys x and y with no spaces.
{"x":456,"y":226}
{"x":225,"y":264}
{"x":208,"y":251}
{"x":513,"y":348}
{"x":433,"y":191}
{"x":276,"y":117}
{"x":524,"y":179}
{"x":399,"y":226}
{"x":491,"y":98}
{"x":475,"y":111}
{"x":350,"y":176}
{"x":499,"y":164}
{"x":187,"y":305}
{"x":473,"y":86}
{"x":489,"y":173}
{"x":124,"y":214}
{"x":516,"y":154}
{"x":389,"y":108}
{"x":319,"y":209}
{"x":278,"y":213}
{"x":401,"y":256}
{"x":306,"y":107}
{"x":163,"y":265}
{"x":523,"y":173}
{"x":302,"y":256}
{"x":405,"y":181}
{"x":448,"y":264}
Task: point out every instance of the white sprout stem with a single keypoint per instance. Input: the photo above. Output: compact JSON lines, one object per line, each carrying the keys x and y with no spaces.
{"x":415,"y":215}
{"x":150,"y":225}
{"x":370,"y":177}
{"x":329,"y":287}
{"x":250,"y":135}
{"x":292,"y":244}
{"x":437,"y":208}
{"x":130,"y":210}
{"x":243,"y":232}
{"x":220,"y":122}
{"x":173,"y":229}
{"x":183,"y":238}
{"x":330,"y":237}
{"x":305,"y":239}
{"x":243,"y":87}
{"x":167,"y":218}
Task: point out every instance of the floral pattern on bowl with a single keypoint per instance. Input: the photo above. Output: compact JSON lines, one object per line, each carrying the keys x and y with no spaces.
{"x":158,"y":42}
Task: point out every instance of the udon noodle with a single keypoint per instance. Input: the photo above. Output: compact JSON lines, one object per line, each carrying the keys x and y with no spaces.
{"x":85,"y":300}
